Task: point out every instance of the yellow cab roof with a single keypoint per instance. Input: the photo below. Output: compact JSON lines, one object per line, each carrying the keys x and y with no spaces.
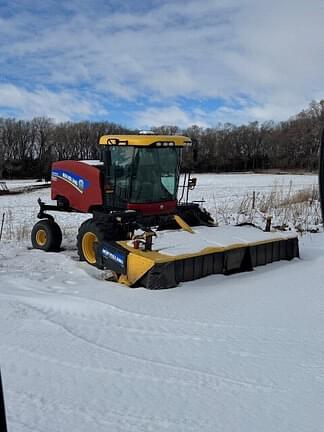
{"x":145,"y":140}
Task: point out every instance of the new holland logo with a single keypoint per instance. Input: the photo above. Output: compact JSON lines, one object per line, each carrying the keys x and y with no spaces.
{"x":118,"y":258}
{"x":79,"y":183}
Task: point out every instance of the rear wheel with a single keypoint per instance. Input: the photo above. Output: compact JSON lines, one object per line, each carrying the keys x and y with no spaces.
{"x":90,"y":233}
{"x":46,"y":235}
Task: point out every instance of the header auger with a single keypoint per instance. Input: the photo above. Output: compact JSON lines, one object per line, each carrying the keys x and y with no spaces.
{"x":135,"y":186}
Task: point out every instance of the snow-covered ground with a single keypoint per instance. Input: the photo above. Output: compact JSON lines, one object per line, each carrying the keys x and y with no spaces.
{"x":225,"y":353}
{"x":18,"y":184}
{"x":215,"y":188}
{"x":11,"y":184}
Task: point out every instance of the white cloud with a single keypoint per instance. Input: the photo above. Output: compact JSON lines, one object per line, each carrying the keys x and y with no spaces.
{"x":58,"y":105}
{"x":172,"y":115}
{"x":270,"y":52}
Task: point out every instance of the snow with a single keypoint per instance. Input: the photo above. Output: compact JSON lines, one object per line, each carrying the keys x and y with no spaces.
{"x":215,"y":188}
{"x":182,"y":242}
{"x":94,"y":162}
{"x":225,"y":353}
{"x":18,"y":184}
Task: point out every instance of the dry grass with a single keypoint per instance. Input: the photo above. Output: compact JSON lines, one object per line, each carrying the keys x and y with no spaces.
{"x":12,"y":231}
{"x":288,"y":210}
{"x":308,"y":195}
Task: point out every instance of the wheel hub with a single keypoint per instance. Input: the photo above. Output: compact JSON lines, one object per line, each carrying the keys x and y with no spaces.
{"x":41,"y":237}
{"x":88,"y":250}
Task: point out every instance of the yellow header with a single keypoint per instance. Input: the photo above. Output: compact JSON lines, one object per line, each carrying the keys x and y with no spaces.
{"x":146,"y":140}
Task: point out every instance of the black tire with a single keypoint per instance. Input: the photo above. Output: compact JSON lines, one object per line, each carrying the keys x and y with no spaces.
{"x":102,"y":231}
{"x":196,"y":216}
{"x":205,"y":217}
{"x":46,"y":235}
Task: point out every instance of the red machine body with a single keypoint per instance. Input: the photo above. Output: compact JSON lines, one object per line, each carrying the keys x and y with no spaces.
{"x":158,"y":208}
{"x":79,"y":183}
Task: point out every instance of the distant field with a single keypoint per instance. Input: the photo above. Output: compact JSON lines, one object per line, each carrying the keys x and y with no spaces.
{"x":235,"y":186}
{"x":221,"y":193}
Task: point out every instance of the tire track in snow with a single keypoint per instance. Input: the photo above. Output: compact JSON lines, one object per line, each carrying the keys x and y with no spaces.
{"x":142,"y":316}
{"x":240,"y":352}
{"x":201,"y":375}
{"x":202,"y":379}
{"x":117,"y":416}
{"x":267,"y":338}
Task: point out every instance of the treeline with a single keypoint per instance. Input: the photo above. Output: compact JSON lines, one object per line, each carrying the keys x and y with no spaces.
{"x":27,"y":148}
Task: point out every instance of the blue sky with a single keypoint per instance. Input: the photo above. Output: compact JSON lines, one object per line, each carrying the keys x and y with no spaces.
{"x":160,"y":62}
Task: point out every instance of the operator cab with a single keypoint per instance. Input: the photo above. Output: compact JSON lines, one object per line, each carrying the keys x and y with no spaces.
{"x":142,"y":172}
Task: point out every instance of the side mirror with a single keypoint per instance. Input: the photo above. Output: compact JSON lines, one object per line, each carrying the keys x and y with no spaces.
{"x":192,"y":183}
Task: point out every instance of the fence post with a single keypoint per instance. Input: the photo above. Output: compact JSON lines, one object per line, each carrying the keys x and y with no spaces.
{"x":253,"y":201}
{"x":2,"y":222}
